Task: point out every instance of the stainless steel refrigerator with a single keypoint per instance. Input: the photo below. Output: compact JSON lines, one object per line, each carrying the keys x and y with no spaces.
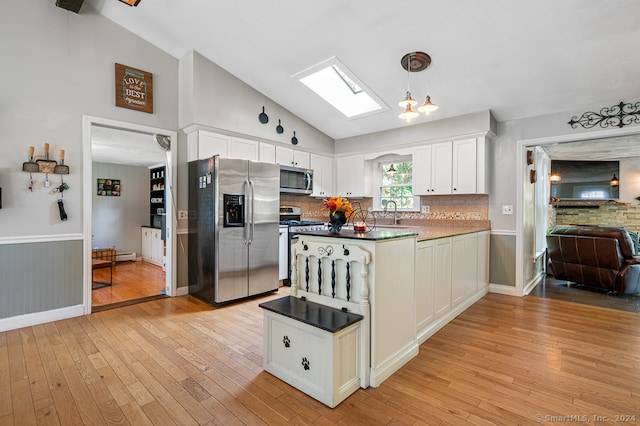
{"x":233,"y":228}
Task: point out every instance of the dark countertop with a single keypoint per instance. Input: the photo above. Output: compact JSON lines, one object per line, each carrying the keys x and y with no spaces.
{"x":315,"y":314}
{"x":365,"y":236}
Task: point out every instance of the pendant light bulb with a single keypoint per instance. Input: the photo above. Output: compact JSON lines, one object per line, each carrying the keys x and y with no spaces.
{"x":408,"y":114}
{"x":408,"y":100}
{"x":427,"y":107}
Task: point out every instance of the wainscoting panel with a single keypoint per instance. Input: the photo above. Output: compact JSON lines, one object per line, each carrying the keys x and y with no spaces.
{"x":503,"y":259}
{"x":42,"y":276}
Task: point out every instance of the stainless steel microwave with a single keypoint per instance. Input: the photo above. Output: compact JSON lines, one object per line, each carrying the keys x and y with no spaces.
{"x":296,"y":180}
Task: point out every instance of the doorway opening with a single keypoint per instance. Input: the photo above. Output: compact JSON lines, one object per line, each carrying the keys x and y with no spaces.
{"x":128,"y":213}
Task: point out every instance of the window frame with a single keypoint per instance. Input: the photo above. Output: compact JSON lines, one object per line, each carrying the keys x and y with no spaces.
{"x":377,"y":179}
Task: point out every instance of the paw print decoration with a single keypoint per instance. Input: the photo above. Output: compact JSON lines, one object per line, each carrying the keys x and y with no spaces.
{"x":286,"y":341}
{"x":305,"y":363}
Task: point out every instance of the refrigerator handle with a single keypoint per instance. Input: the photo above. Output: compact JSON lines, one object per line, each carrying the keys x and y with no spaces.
{"x":251,"y":218}
{"x":247,"y":213}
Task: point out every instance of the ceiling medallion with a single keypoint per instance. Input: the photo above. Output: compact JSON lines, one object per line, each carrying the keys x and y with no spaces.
{"x":620,"y":115}
{"x":419,"y":61}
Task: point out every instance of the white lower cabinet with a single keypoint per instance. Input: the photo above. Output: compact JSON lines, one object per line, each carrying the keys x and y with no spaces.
{"x":464,"y":278}
{"x":322,"y":364}
{"x":452,"y":273}
{"x":442,"y":276}
{"x":152,"y":246}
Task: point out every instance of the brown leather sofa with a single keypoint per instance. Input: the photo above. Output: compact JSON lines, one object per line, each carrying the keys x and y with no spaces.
{"x":594,"y":256}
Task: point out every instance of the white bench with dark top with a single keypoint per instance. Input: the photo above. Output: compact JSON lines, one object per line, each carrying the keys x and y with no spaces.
{"x":317,"y":339}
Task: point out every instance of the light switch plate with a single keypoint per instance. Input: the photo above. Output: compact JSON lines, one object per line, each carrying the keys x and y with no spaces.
{"x":182,"y":214}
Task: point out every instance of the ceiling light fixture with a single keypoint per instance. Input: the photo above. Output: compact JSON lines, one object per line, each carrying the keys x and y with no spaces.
{"x":415,"y":62}
{"x":131,"y":2}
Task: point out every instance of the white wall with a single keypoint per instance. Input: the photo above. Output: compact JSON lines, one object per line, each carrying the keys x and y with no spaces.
{"x":57,"y":66}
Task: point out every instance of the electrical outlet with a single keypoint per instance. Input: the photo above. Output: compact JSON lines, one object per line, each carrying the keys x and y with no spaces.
{"x":182,"y":214}
{"x":425,"y":209}
{"x":507,"y":209}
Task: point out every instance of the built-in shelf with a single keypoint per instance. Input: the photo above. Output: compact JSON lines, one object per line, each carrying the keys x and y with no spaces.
{"x":156,"y":196}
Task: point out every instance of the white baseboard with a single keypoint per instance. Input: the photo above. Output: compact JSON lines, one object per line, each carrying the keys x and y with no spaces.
{"x":35,"y":318}
{"x":534,"y":282}
{"x":182,"y":291}
{"x":393,"y":364}
{"x":503,"y":289}
{"x":433,"y":328}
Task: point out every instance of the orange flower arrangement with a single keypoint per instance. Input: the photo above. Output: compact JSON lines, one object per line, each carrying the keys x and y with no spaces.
{"x":339,"y":204}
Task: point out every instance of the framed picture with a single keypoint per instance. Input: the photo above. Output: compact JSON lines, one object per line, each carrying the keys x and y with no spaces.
{"x":109,"y":187}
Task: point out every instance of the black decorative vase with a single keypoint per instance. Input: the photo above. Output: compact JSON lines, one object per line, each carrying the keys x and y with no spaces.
{"x":336,"y":220}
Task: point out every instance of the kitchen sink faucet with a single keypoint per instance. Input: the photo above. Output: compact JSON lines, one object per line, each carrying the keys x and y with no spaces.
{"x":395,"y":210}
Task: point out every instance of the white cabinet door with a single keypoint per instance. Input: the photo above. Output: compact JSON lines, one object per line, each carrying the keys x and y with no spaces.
{"x":146,"y":243}
{"x":157,"y":247}
{"x":283,"y":249}
{"x":425,"y":283}
{"x":442,"y":277}
{"x":210,"y":144}
{"x":284,"y":156}
{"x":464,"y":166}
{"x":464,"y":251}
{"x":322,"y":175}
{"x":441,"y":168}
{"x":267,"y":153}
{"x":291,"y":157}
{"x":422,"y":170}
{"x":300,"y":159}
{"x":244,"y":149}
{"x":350,"y":178}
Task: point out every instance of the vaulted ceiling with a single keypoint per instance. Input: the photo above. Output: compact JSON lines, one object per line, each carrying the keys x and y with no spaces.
{"x":516,"y":58}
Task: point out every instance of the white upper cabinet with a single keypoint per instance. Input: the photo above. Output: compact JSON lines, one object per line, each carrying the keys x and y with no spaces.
{"x":322,"y":167}
{"x":267,"y":153}
{"x":350,"y":176}
{"x":291,"y":157}
{"x":456,"y":167}
{"x":464,"y":166}
{"x":244,"y":149}
{"x":432,"y":169}
{"x":202,"y":144}
{"x":441,"y":166}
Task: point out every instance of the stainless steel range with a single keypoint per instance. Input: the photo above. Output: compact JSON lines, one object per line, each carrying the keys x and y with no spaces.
{"x":291,"y":216}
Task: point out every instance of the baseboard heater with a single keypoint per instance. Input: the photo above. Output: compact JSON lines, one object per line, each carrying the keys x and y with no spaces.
{"x":121,"y":257}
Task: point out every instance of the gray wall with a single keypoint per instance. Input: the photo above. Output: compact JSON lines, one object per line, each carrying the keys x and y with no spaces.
{"x":116,"y":221}
{"x":57,"y":67}
{"x":40,"y":276}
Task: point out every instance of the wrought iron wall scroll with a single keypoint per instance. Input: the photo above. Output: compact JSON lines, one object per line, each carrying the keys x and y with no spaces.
{"x":620,"y":115}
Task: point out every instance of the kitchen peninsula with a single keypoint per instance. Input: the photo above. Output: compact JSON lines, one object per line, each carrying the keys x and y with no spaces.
{"x":420,"y":278}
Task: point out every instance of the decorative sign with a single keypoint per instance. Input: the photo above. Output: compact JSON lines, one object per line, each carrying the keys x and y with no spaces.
{"x":134,"y":89}
{"x":109,"y":187}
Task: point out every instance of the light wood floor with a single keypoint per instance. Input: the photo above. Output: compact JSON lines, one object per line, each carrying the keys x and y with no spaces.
{"x":503,"y":361}
{"x":131,"y":281}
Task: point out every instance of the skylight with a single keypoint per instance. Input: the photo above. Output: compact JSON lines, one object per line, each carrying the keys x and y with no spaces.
{"x":334,"y":83}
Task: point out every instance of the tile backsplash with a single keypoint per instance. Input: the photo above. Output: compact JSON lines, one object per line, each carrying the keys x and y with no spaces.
{"x":441,"y":208}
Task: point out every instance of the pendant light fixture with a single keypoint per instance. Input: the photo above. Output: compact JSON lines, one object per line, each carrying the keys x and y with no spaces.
{"x":415,"y":62}
{"x":614,"y":181}
{"x":392,"y":171}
